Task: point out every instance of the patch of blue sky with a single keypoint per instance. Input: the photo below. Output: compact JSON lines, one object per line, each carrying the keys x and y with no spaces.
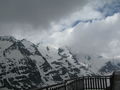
{"x":84,"y":21}
{"x":107,"y":10}
{"x":75,"y":23}
{"x":110,"y":9}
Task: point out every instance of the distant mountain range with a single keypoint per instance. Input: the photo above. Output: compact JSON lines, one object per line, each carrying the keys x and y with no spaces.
{"x":24,"y":65}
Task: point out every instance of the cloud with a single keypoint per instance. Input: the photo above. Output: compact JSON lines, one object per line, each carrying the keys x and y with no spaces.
{"x":86,"y":26}
{"x":99,"y":37}
{"x":37,"y":12}
{"x":32,"y":18}
{"x":60,"y":31}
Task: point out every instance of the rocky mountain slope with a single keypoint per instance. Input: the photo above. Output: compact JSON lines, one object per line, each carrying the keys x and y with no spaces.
{"x":24,"y":65}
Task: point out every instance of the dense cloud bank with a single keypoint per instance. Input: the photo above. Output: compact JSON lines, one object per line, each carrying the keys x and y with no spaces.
{"x":87,"y":26}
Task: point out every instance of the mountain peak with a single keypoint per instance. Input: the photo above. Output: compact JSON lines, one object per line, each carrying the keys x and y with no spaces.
{"x":8,"y":38}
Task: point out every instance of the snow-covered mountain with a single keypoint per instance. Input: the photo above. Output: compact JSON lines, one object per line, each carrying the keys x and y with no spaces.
{"x":24,"y":65}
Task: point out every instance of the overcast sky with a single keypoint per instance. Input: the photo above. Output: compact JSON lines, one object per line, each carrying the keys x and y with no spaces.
{"x":87,"y":26}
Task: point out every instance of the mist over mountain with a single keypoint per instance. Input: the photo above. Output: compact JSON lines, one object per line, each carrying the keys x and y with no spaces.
{"x":24,"y":65}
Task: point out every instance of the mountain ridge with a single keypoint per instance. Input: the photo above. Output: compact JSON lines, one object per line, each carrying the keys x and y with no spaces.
{"x":25,"y":65}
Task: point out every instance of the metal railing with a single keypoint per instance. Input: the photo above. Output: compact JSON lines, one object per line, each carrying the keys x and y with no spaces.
{"x":83,"y":83}
{"x":97,"y":83}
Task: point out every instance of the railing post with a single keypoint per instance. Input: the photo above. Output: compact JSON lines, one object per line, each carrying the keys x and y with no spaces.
{"x":116,"y":80}
{"x":65,"y":82}
{"x":47,"y":88}
{"x":82,"y":84}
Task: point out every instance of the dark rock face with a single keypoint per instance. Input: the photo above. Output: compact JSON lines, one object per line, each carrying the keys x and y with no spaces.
{"x":25,"y":72}
{"x":22,"y":65}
